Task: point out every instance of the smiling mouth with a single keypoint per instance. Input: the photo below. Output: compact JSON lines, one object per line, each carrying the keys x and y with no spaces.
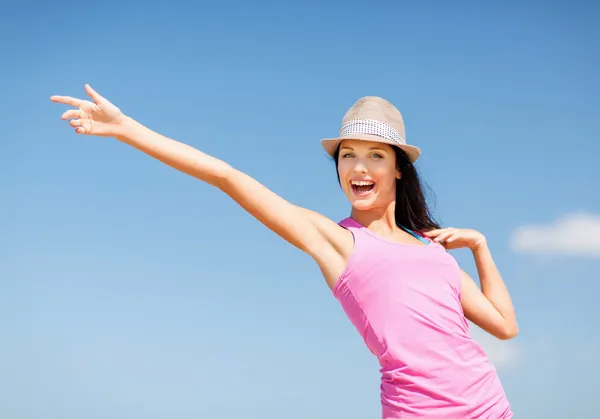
{"x":362,"y":187}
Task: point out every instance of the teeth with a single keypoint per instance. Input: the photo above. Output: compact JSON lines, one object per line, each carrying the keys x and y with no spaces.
{"x":362,"y":182}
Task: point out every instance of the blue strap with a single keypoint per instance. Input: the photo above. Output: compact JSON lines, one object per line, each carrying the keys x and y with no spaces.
{"x":415,"y":234}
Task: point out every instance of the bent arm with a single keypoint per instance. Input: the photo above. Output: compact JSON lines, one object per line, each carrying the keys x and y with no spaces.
{"x":490,"y":307}
{"x":305,"y":229}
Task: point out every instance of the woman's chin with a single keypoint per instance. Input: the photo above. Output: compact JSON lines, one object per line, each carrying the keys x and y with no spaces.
{"x":362,"y":204}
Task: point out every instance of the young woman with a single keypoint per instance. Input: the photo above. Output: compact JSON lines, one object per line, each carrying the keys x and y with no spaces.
{"x":387,"y":263}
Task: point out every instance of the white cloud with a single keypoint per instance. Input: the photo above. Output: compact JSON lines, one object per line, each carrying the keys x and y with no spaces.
{"x":502,"y":353}
{"x":575,"y":234}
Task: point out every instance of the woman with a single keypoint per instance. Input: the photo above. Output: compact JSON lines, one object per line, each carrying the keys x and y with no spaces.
{"x":386,"y":263}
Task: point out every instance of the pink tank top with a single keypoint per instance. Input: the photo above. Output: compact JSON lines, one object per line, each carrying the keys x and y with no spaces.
{"x":404,"y":300}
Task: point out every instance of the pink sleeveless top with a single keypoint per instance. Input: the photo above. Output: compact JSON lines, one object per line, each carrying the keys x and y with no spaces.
{"x":404,"y":300}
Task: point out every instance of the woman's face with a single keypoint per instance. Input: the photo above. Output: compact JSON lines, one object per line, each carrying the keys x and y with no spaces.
{"x":368,"y":173}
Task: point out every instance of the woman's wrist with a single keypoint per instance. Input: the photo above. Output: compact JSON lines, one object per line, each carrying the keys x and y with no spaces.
{"x":124,"y":128}
{"x":479,"y":246}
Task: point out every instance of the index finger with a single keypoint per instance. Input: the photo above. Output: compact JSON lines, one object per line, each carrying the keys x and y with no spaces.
{"x":67,"y":100}
{"x":433,"y":232}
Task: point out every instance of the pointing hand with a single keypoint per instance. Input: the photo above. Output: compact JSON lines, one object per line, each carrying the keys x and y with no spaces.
{"x":99,"y":117}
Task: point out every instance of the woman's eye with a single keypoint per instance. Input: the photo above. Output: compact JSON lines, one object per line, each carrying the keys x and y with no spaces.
{"x":347,"y":155}
{"x":377,"y":156}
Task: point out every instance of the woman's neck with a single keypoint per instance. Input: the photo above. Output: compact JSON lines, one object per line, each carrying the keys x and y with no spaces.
{"x":379,"y":220}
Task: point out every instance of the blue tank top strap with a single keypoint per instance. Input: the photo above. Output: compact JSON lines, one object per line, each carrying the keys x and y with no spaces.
{"x":418,"y":236}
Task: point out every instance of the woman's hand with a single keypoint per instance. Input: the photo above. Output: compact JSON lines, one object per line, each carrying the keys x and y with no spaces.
{"x":99,"y":117}
{"x":454,"y":238}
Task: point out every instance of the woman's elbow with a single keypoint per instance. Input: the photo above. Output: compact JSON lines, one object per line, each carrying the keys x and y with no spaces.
{"x":508,"y":332}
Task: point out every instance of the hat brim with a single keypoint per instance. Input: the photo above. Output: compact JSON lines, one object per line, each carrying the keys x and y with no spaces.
{"x":331,"y":144}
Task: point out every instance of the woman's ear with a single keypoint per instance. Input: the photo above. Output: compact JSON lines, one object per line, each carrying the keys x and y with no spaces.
{"x":398,"y":174}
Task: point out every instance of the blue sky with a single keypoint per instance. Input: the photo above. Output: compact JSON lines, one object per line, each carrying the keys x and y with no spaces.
{"x":132,"y":291}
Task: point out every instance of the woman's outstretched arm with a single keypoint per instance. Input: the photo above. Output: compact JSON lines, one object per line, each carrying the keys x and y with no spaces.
{"x":309,"y":231}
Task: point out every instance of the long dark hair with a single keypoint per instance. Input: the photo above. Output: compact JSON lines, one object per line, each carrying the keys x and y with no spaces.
{"x":411,"y":211}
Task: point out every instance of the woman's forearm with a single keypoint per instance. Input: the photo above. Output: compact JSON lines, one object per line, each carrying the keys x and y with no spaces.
{"x":180,"y":156}
{"x":494,"y":288}
{"x":305,"y":229}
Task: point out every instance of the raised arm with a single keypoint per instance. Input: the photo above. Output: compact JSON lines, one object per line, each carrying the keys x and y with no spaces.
{"x":305,"y":229}
{"x":490,"y":307}
{"x":309,"y":231}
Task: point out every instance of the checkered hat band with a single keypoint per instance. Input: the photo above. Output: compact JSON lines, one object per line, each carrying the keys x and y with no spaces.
{"x":372,"y":127}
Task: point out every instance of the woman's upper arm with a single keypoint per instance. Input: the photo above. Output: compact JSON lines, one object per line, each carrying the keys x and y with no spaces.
{"x":309,"y":231}
{"x":478,"y":309}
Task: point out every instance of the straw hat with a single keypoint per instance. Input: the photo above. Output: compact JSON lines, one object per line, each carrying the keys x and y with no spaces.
{"x":372,"y":118}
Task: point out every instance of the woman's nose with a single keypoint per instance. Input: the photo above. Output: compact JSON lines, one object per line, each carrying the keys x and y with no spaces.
{"x":360,"y":168}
